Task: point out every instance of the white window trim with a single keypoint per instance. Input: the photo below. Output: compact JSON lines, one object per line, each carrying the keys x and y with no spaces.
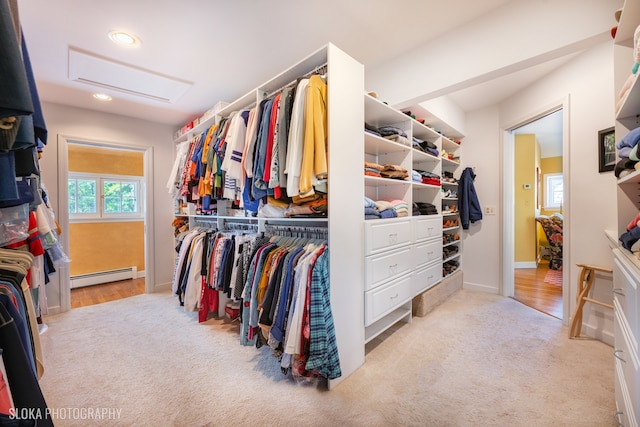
{"x":100,"y":215}
{"x":547,"y":205}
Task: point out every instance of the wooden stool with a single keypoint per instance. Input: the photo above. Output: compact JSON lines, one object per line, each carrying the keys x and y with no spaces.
{"x":587,"y":274}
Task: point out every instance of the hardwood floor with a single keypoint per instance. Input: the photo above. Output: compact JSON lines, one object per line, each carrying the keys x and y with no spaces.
{"x":531,"y":290}
{"x":97,"y":294}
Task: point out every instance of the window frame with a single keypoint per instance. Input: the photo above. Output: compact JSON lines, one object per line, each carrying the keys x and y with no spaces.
{"x":548,"y":197}
{"x":101,"y":214}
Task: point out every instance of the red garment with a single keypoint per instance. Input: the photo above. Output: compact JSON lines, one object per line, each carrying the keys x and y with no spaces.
{"x":32,"y":243}
{"x":266,"y":175}
{"x":5,"y":397}
{"x":633,"y":223}
{"x":209,"y":300}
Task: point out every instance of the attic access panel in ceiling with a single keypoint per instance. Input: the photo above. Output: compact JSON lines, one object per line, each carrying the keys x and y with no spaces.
{"x":105,"y":73}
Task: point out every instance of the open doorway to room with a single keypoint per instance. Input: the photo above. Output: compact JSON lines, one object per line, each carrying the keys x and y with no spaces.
{"x":538,"y":208}
{"x":106,"y":211}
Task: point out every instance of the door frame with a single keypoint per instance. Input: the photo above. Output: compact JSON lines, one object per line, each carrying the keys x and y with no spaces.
{"x":63,"y":214}
{"x":508,"y":174}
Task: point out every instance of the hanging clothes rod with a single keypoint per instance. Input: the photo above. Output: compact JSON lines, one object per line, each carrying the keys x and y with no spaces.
{"x":297,"y":231}
{"x":320,"y":69}
{"x":240,"y":226}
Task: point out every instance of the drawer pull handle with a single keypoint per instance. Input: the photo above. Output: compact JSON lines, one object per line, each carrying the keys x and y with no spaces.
{"x":615,"y":354}
{"x":618,"y":291}
{"x":393,"y":268}
{"x":394,"y":297}
{"x":616,"y":418}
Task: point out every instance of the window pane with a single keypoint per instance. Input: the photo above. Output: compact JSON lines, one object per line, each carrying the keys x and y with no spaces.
{"x":128,"y":190}
{"x":86,"y":204}
{"x":111,"y":189}
{"x":86,"y":188}
{"x":112,"y":196}
{"x":71,"y":190}
{"x":112,"y":204}
{"x":129,"y":205}
{"x":554,"y":190}
{"x":86,"y":196}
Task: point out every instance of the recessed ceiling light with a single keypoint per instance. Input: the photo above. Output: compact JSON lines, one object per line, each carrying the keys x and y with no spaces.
{"x":124,"y":39}
{"x":102,"y":96}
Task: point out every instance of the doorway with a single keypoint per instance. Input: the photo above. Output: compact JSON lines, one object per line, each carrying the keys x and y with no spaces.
{"x":533,"y":271}
{"x":104,"y":190}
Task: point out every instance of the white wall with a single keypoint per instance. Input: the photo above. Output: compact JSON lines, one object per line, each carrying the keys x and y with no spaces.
{"x":513,"y":37}
{"x":588,"y":81}
{"x":480,"y":257}
{"x":109,"y":128}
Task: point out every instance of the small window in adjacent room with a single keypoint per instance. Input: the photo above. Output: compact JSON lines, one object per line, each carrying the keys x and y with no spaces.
{"x":553,"y":191}
{"x":107,"y":197}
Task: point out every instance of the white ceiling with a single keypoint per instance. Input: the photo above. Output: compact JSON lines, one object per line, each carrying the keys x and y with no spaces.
{"x":226,"y":48}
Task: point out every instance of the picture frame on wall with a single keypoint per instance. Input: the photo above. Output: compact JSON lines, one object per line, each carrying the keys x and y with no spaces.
{"x":606,"y":150}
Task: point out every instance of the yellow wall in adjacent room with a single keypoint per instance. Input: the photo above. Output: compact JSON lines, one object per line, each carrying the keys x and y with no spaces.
{"x":547,"y":165}
{"x":526,"y":157}
{"x":108,"y":161}
{"x":102,"y":246}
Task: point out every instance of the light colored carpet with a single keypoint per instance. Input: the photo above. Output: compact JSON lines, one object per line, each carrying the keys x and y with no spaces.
{"x":477,"y":360}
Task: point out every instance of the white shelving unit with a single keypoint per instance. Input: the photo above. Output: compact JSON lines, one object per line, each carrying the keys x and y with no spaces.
{"x":388,"y":296}
{"x":376,"y":266}
{"x":345,"y":85}
{"x":626,"y":270}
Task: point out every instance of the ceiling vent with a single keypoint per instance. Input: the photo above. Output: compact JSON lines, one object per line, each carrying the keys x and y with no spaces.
{"x":105,"y":73}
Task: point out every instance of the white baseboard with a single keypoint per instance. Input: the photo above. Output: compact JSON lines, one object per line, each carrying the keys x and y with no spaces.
{"x":99,"y":277}
{"x":162,"y":287}
{"x":525,"y":264}
{"x":479,"y":287}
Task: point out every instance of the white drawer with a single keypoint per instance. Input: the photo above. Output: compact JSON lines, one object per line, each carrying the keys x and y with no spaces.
{"x":624,"y":408}
{"x":426,"y":253}
{"x":384,"y":299}
{"x":427,"y":227}
{"x":625,"y":291}
{"x":424,"y":278}
{"x":386,"y":265}
{"x":381,"y":235}
{"x":627,"y":363}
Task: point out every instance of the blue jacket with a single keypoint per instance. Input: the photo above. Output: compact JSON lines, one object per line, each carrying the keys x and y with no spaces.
{"x":468,"y":203}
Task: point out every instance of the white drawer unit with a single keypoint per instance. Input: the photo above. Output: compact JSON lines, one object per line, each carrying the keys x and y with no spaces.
{"x":627,"y":367}
{"x":626,"y":328}
{"x":625,"y":292}
{"x":426,"y":253}
{"x":425,"y":277}
{"x":427,"y":227}
{"x":384,"y":299}
{"x":385,"y":266}
{"x":381,"y":235}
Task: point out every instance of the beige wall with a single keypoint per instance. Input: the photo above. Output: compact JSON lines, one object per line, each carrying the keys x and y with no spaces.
{"x":92,"y":159}
{"x":103,"y":246}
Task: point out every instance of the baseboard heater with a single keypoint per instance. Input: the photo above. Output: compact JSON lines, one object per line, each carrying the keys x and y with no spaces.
{"x":99,"y":277}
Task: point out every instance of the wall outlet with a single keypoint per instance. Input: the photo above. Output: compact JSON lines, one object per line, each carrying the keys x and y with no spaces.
{"x":490,"y":210}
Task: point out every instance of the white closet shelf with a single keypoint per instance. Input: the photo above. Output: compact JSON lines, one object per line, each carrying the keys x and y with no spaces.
{"x":377,"y":145}
{"x":383,"y":324}
{"x":451,"y":257}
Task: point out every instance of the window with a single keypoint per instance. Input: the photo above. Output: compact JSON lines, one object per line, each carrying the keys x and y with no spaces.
{"x":109,"y":197}
{"x":553,"y":191}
